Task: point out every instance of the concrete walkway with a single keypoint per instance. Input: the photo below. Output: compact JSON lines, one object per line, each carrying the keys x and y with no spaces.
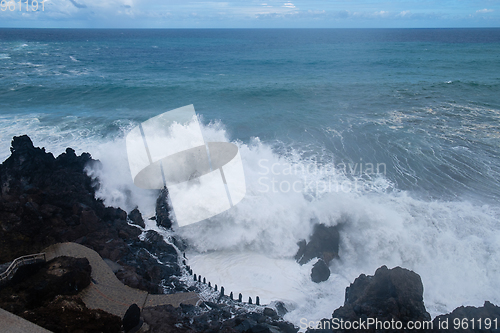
{"x":108,"y":293}
{"x":10,"y":323}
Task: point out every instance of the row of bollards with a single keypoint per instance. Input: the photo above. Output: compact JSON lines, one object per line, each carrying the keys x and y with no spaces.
{"x":240,"y":297}
{"x":231,"y":297}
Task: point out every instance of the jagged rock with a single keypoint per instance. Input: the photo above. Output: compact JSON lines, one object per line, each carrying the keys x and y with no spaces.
{"x":42,"y":294}
{"x":270,"y":312}
{"x":324,"y":244}
{"x":281,"y":308}
{"x":60,"y":276}
{"x":163,"y":210}
{"x":46,"y":200}
{"x":462,"y":316}
{"x":301,"y":251}
{"x":390,"y":294}
{"x":320,"y":271}
{"x":155,"y":243}
{"x":70,"y":314}
{"x":222,"y":318}
{"x":136,"y":217}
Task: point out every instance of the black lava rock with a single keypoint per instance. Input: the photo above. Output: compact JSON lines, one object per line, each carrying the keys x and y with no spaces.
{"x":390,"y":294}
{"x":132,"y":318}
{"x":46,"y":200}
{"x":163,"y":210}
{"x":320,"y":271}
{"x":324,"y":244}
{"x":136,"y":217}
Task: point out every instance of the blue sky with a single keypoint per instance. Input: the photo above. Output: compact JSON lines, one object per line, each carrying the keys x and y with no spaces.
{"x":255,"y":14}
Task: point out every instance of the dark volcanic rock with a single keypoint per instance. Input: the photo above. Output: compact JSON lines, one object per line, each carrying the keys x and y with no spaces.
{"x":69,"y":314}
{"x":324,"y":244}
{"x":395,"y":294}
{"x":41,"y":293}
{"x":46,"y":200}
{"x":320,"y":272}
{"x":144,"y":259}
{"x":132,"y":317}
{"x":483,"y":318}
{"x":136,"y":217}
{"x":60,"y":276}
{"x":270,"y":312}
{"x":222,"y":318}
{"x":163,"y":210}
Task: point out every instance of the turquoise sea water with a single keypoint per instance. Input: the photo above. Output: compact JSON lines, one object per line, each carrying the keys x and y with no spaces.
{"x":425,"y":103}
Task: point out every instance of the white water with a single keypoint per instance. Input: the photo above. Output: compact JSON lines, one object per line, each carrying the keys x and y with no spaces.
{"x":453,"y":246}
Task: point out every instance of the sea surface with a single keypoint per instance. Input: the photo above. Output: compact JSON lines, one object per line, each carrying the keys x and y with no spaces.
{"x":395,"y":133}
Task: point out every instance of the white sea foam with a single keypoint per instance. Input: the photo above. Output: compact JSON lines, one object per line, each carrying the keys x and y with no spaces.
{"x":453,"y":246}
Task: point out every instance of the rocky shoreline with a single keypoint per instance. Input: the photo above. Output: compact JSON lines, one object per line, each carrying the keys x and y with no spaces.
{"x":47,"y":200}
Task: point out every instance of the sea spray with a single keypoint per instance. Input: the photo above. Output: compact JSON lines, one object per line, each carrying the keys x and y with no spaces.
{"x":452,"y":245}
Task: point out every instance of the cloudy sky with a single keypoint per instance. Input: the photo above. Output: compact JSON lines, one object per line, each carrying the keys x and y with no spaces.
{"x":253,"y":14}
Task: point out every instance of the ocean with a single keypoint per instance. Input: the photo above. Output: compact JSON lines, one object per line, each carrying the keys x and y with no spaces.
{"x":395,"y":133}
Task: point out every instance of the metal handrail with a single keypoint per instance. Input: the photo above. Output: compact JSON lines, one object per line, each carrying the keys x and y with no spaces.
{"x":21,"y":261}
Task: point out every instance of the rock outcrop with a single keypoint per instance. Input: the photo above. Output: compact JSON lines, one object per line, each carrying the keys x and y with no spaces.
{"x":163,"y":210}
{"x":211,"y":317}
{"x":46,"y":200}
{"x":320,"y":271}
{"x":389,"y":294}
{"x":469,"y":319}
{"x":46,"y":294}
{"x":135,"y":217}
{"x":396,"y":296}
{"x":324,"y":245}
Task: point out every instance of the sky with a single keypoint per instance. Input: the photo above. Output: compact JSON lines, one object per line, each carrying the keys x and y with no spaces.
{"x":249,"y":14}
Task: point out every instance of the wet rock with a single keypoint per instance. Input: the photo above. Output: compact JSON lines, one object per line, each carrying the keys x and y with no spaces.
{"x":270,"y":312}
{"x":320,"y":271}
{"x":70,"y":314}
{"x":220,"y":318}
{"x":390,"y":294}
{"x":281,"y":308}
{"x":45,"y":294}
{"x":135,"y":217}
{"x":301,"y":251}
{"x":155,"y":243}
{"x":324,"y":244}
{"x":480,"y":319}
{"x":46,"y":200}
{"x":60,"y":276}
{"x":163,"y":210}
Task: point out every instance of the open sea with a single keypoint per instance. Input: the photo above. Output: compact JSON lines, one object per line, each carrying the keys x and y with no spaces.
{"x":395,"y":133}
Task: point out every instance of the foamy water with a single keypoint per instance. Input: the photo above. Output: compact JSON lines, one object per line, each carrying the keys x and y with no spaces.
{"x":308,"y":112}
{"x":453,"y":245}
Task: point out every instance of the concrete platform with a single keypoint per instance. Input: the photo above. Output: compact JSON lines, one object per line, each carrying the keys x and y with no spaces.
{"x":10,"y":323}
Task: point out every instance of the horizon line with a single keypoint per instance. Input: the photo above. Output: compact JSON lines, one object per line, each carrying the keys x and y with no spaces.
{"x":259,"y":28}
